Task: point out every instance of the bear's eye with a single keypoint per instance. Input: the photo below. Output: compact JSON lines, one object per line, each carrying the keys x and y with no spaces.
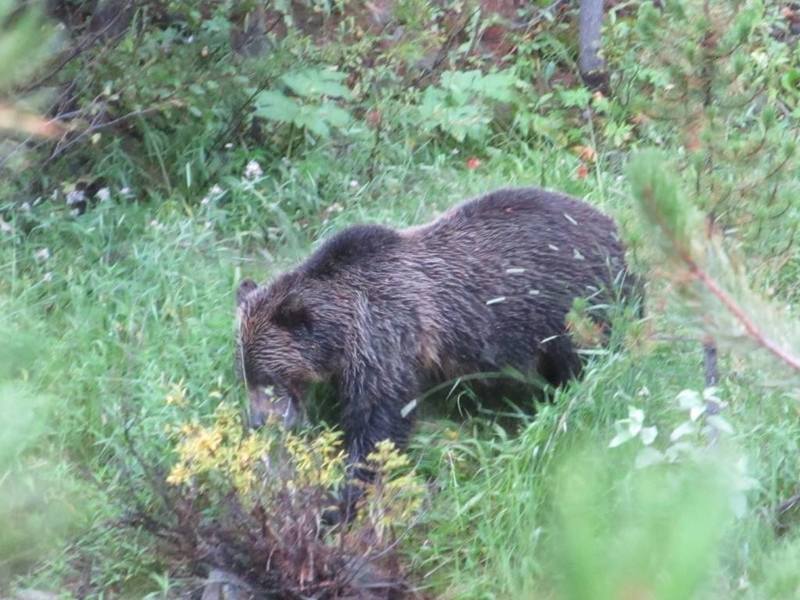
{"x":262,"y":381}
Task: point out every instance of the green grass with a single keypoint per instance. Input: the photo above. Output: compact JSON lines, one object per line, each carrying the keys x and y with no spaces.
{"x":136,"y":297}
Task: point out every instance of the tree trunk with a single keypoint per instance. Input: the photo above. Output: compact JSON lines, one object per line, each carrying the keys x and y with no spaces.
{"x":591,"y":65}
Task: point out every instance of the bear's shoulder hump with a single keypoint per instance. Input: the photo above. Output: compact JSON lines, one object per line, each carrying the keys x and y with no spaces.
{"x":348,"y":247}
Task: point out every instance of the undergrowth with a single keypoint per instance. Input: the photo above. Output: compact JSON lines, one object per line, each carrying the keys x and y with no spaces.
{"x":122,"y":245}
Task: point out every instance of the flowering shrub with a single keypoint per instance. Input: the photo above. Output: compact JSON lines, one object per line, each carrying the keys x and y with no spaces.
{"x":251,"y":502}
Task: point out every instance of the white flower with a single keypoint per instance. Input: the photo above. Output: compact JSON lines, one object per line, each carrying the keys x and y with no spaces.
{"x":253,"y":170}
{"x":75,"y":196}
{"x":103,"y":194}
{"x":42,"y":254}
{"x":214,"y":193}
{"x":353,"y":183}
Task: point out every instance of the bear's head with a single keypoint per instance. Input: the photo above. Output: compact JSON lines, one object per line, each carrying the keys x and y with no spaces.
{"x":284,"y":346}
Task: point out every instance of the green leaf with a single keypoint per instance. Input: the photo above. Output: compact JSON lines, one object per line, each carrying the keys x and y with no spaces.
{"x":334,"y":115}
{"x":275,"y":106}
{"x":648,"y":456}
{"x":23,"y":41}
{"x":648,"y":435}
{"x":575,"y":98}
{"x":311,"y":120}
{"x":499,"y":86}
{"x":619,"y":439}
{"x":316,"y":83}
{"x":681,"y":430}
{"x":689,"y":399}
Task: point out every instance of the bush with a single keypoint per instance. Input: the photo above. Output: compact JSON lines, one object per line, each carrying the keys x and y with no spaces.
{"x":252,"y":504}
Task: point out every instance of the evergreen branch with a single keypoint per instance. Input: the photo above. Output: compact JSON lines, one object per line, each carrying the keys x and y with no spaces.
{"x":677,"y":222}
{"x":740,"y":314}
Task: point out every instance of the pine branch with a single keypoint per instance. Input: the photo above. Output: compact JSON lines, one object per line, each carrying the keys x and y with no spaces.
{"x":698,"y":257}
{"x":735,"y":309}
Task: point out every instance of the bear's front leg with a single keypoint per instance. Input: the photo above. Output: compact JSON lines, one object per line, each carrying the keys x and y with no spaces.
{"x":378,"y":405}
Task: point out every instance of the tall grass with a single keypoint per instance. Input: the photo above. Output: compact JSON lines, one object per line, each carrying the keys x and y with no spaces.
{"x":130,"y":299}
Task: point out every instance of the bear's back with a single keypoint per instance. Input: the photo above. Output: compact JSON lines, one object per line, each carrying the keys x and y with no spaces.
{"x":551,"y":214}
{"x":552,"y":233}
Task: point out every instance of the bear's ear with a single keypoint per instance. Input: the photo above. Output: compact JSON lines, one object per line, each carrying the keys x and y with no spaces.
{"x":245,"y":287}
{"x":292,"y":313}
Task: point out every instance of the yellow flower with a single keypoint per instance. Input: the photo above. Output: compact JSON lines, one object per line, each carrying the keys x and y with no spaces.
{"x":177,"y":395}
{"x":178,"y":475}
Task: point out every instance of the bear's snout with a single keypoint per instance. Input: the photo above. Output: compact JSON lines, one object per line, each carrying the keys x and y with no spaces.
{"x":271,"y":402}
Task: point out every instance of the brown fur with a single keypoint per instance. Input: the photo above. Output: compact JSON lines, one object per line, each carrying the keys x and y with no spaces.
{"x":385,"y":314}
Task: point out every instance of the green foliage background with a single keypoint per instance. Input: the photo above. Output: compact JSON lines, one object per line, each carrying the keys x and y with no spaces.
{"x":191,"y":161}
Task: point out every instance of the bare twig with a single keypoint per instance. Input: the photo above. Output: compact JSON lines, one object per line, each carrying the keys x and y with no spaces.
{"x":95,"y":127}
{"x":73,"y":54}
{"x":710,"y":361}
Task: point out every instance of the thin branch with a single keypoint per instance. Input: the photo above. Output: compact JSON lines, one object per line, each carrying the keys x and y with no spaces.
{"x":94,"y":127}
{"x":75,"y":53}
{"x":740,"y":315}
{"x":727,"y":301}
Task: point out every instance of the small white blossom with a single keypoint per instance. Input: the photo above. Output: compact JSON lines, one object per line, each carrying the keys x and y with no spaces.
{"x":253,"y":170}
{"x":42,"y":254}
{"x":126,"y":192}
{"x":103,"y":194}
{"x":214,"y":193}
{"x":353,"y":183}
{"x":75,"y":196}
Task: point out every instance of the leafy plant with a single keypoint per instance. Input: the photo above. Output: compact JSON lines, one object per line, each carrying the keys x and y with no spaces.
{"x":461,"y":105}
{"x":24,"y":39}
{"x":312,"y":105}
{"x":651,"y":533}
{"x":692,"y":441}
{"x":258,"y":498}
{"x":716,"y":80}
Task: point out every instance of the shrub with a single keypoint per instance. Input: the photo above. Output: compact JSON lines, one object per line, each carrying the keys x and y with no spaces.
{"x":252,"y":504}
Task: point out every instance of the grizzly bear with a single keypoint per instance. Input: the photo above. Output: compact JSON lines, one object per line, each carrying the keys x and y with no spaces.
{"x":385,"y":314}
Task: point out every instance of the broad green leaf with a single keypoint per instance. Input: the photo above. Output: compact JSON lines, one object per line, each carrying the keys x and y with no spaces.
{"x":315,"y":83}
{"x":689,"y":399}
{"x":720,"y":423}
{"x":313,"y":122}
{"x":619,"y":439}
{"x":275,"y":106}
{"x":333,"y":114}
